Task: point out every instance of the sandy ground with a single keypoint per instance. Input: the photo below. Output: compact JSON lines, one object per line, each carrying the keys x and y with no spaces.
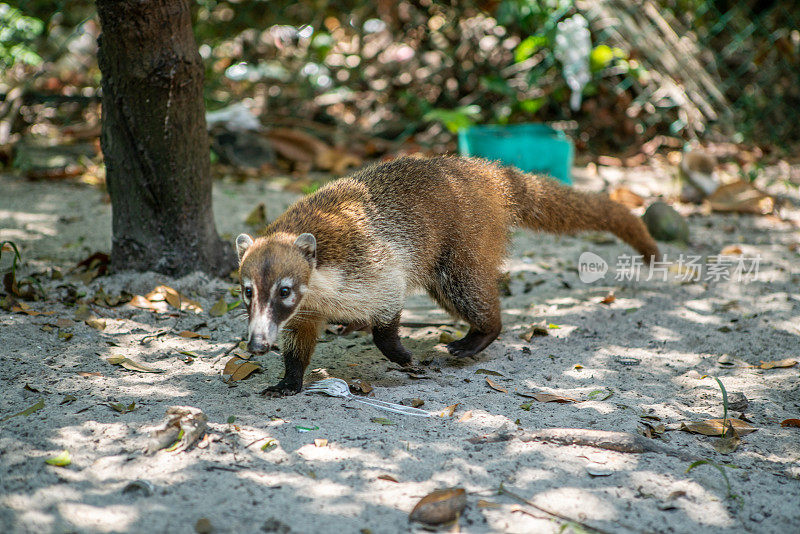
{"x":650,"y":349}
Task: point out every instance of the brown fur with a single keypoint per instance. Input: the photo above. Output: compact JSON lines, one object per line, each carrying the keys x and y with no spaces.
{"x":440,"y":225}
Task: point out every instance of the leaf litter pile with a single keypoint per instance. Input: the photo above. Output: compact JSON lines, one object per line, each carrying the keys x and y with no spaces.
{"x":138,"y":387}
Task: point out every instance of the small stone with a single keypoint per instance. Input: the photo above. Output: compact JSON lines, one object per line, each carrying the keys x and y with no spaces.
{"x":737,"y":401}
{"x":142,"y":487}
{"x":203,"y":526}
{"x":665,"y":224}
{"x":274,"y":525}
{"x":758,"y":518}
{"x":726,"y":360}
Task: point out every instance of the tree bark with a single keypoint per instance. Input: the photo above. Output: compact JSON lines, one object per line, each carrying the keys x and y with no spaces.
{"x":154,"y":140}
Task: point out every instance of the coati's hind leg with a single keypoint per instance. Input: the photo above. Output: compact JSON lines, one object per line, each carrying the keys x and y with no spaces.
{"x":387,"y":338}
{"x":475,"y":299}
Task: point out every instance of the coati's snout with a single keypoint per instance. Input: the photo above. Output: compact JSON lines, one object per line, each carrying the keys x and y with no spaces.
{"x":274,"y":272}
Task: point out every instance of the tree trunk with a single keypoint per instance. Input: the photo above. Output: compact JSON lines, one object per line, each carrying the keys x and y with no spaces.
{"x":155,"y":141}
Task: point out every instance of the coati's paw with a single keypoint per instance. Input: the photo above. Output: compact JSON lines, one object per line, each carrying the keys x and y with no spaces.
{"x":281,"y":389}
{"x":473,"y":343}
{"x":400,"y":357}
{"x":462,"y":350}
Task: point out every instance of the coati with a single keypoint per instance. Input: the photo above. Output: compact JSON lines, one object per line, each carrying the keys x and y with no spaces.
{"x":353,"y":251}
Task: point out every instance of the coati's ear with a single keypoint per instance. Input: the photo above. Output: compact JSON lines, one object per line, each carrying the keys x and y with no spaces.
{"x":243,"y":242}
{"x":308,"y":244}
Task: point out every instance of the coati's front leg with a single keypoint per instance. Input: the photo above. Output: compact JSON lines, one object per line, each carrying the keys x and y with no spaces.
{"x":299,"y":340}
{"x":386,"y":337}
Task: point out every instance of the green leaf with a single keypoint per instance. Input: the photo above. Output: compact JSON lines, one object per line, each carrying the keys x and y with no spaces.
{"x":609,"y":393}
{"x":526,"y":406}
{"x":61,"y":460}
{"x":27,"y":411}
{"x":454,"y":119}
{"x":231,"y":419}
{"x":269,"y":445}
{"x":600,"y":57}
{"x":219,"y":309}
{"x":233,"y":305}
{"x":528,"y":47}
{"x":531,"y":105}
{"x":177,"y":442}
{"x":382,"y":421}
{"x":121,"y":408}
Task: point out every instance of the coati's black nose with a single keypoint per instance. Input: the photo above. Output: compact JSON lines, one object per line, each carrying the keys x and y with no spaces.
{"x":257,"y":345}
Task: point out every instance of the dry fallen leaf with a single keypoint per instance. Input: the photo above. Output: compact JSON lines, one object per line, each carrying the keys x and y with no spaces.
{"x":741,"y":197}
{"x":390,"y":478}
{"x":21,"y":307}
{"x":731,"y":250}
{"x":495,"y":386}
{"x":791,"y":422}
{"x":487,"y":504}
{"x":139,"y":301}
{"x":360,"y":387}
{"x":193,"y":335}
{"x":788,"y":362}
{"x":238,"y":369}
{"x":449,"y":411}
{"x":534,"y":330}
{"x":131,"y":365}
{"x":713,"y":427}
{"x":608,"y":299}
{"x":626,"y":197}
{"x":548,"y":397}
{"x":173,"y":298}
{"x":320,"y":442}
{"x":86,"y":374}
{"x":440,"y":506}
{"x":487,"y":372}
{"x":97,"y":324}
{"x":466,"y":416}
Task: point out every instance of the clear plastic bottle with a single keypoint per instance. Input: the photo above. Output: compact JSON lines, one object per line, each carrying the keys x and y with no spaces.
{"x":573,"y":46}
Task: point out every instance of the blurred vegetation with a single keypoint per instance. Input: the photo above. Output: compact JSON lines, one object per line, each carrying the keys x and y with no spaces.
{"x":421,"y":70}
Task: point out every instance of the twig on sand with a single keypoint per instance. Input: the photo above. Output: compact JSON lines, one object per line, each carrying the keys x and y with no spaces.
{"x":523,"y":500}
{"x":602,"y":439}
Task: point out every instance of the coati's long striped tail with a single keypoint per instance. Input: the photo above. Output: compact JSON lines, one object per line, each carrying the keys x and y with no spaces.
{"x":546,"y":205}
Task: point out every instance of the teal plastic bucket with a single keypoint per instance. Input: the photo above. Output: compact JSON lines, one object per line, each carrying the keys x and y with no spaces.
{"x":535,"y":148}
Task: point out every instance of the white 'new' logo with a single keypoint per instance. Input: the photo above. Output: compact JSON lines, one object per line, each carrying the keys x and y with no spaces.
{"x":591,"y":267}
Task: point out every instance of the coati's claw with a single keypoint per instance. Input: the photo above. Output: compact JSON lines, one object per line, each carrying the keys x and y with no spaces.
{"x":471,"y":344}
{"x":281,"y":389}
{"x":460,"y":351}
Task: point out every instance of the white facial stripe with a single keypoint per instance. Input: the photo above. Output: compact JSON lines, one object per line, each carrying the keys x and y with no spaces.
{"x":262,"y":325}
{"x":285,"y":282}
{"x":288,"y":282}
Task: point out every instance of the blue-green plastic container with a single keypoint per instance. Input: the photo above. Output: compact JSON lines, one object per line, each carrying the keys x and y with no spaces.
{"x":529,"y":147}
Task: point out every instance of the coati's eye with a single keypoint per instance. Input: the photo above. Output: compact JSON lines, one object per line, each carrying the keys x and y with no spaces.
{"x":284,"y":292}
{"x":248,"y":292}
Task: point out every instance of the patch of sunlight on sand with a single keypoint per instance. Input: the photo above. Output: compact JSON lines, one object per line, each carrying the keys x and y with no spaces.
{"x":85,"y":517}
